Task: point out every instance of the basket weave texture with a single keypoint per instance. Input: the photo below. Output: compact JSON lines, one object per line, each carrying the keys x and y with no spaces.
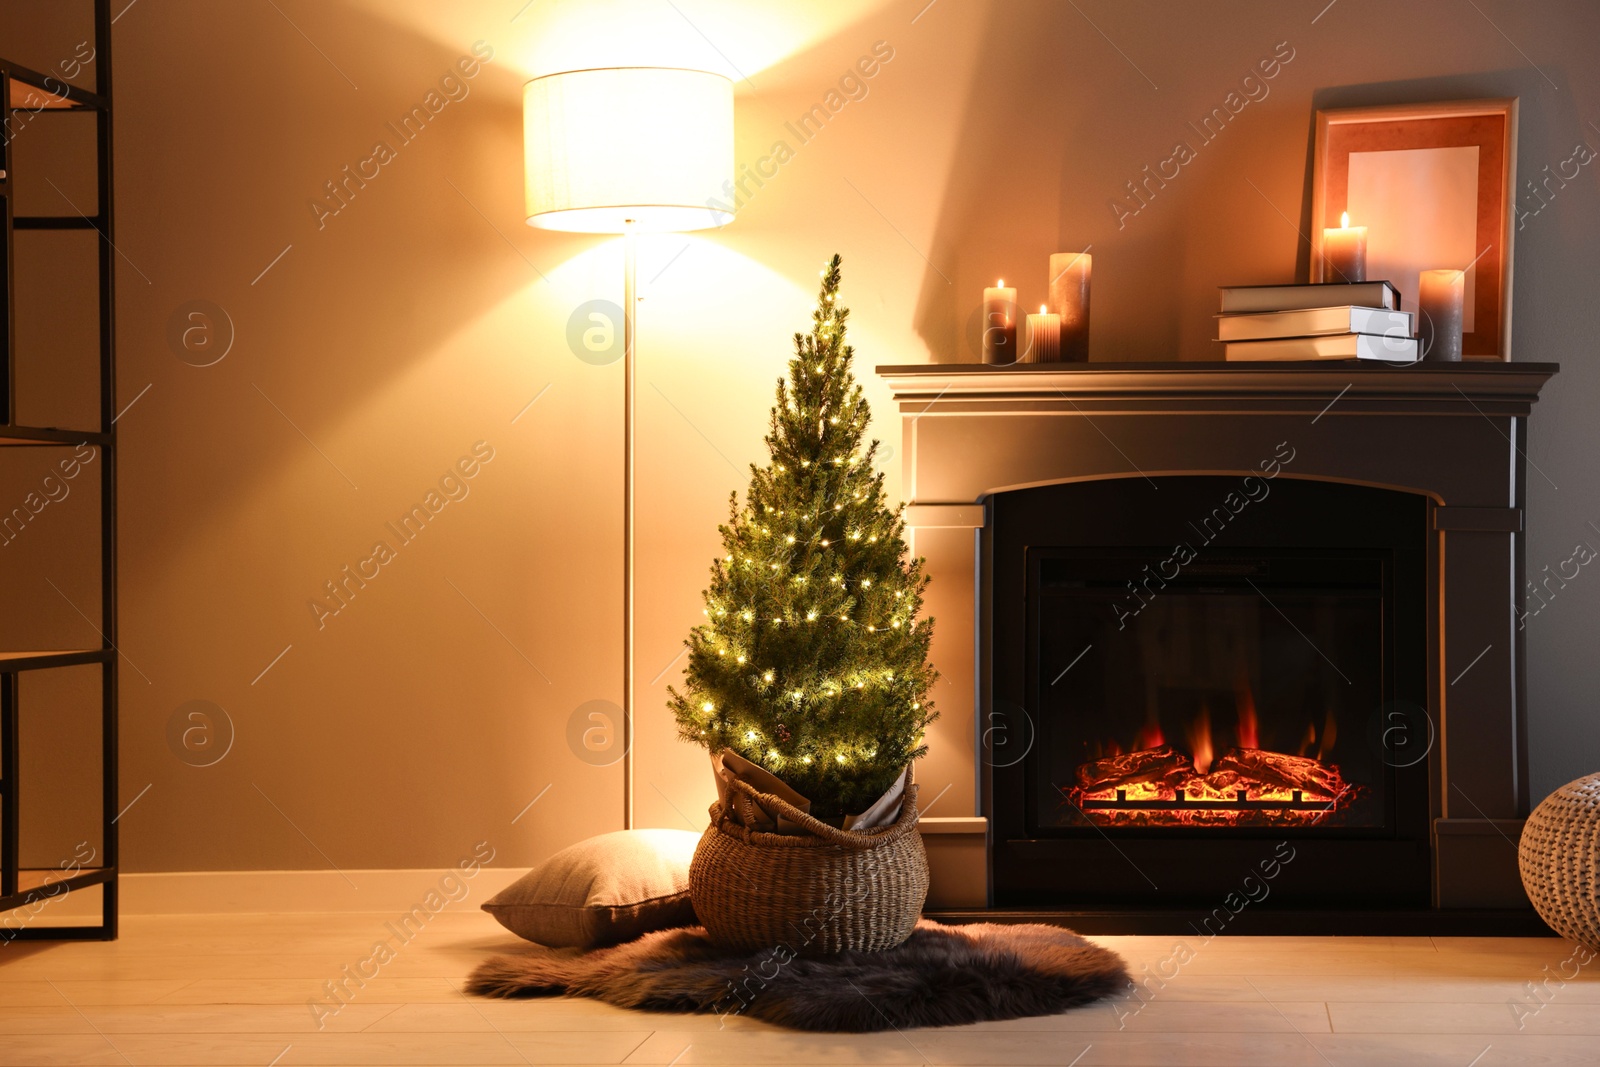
{"x":827,"y":891}
{"x":1560,"y":858}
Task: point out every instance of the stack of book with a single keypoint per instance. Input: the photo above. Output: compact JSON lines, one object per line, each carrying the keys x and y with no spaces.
{"x":1334,"y":320}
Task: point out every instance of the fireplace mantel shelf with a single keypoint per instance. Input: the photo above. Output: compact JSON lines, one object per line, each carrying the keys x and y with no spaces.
{"x":1509,"y":388}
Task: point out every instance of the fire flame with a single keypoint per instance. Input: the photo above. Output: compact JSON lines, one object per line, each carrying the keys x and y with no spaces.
{"x":1249,"y":723}
{"x":1200,"y":741}
{"x":1232,"y":791}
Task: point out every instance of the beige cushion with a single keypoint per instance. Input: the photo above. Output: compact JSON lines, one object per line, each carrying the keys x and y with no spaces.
{"x":603,"y":891}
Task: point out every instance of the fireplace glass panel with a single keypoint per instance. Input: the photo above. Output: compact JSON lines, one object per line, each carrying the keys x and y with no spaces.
{"x":1235,"y":692}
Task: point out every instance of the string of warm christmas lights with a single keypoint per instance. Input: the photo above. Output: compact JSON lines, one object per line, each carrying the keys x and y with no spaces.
{"x":813,"y":659}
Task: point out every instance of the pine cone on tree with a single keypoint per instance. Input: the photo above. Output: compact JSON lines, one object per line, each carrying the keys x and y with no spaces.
{"x":812,"y":661}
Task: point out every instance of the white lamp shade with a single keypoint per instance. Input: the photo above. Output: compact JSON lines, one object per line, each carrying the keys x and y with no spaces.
{"x":650,"y":146}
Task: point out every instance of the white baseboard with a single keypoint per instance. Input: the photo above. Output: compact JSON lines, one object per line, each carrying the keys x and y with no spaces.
{"x":273,"y":892}
{"x":953,"y":824}
{"x":299,"y":892}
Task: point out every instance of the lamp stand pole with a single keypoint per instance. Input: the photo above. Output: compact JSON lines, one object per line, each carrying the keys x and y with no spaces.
{"x":629,"y":242}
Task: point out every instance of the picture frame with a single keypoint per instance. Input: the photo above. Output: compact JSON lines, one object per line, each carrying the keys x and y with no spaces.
{"x":1435,"y":184}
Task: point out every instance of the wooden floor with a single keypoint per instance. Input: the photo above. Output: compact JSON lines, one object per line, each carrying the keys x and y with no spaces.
{"x":233,"y":990}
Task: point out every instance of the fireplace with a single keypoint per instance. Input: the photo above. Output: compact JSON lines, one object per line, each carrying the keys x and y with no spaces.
{"x":1209,"y":706}
{"x":1187,"y":666}
{"x":1197,"y":619}
{"x":1210,"y":710}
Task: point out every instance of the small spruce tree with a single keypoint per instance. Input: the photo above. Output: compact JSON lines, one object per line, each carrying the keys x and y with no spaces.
{"x":812,"y":661}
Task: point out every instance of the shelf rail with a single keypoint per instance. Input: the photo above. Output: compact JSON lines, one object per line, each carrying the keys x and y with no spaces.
{"x":27,"y":91}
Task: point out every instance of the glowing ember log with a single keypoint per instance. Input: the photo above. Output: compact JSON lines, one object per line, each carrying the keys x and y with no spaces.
{"x":1158,"y":767}
{"x":1286,"y":772}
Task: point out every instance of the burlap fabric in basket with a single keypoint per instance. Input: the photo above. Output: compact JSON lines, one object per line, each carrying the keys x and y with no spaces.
{"x":824,"y":891}
{"x":1560,"y":859}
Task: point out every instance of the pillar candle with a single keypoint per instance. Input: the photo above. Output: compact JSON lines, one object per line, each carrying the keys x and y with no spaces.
{"x":1439,"y":301}
{"x":1344,"y":252}
{"x":1000,"y":324}
{"x":1069,"y":299}
{"x":1041,"y":338}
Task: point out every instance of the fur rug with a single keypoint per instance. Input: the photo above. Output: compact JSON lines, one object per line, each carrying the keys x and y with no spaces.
{"x":942,"y":976}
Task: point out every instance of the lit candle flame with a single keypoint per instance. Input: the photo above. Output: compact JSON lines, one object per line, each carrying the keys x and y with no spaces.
{"x":1344,"y":220}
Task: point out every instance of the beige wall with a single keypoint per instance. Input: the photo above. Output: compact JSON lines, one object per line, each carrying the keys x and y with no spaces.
{"x":425,"y":315}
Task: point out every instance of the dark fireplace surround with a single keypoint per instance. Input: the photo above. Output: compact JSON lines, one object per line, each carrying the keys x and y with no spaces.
{"x":1150,"y":579}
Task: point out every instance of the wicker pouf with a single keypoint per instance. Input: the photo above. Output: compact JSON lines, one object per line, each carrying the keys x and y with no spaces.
{"x":829,"y":891}
{"x":1560,"y":859}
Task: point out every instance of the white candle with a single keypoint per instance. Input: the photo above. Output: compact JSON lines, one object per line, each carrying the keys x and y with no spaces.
{"x":1000,"y":324}
{"x":1069,"y":299}
{"x":1344,"y":252}
{"x":1439,"y":303}
{"x":1041,"y":338}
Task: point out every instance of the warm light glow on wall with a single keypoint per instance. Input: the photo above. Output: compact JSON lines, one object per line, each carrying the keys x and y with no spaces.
{"x":650,"y":145}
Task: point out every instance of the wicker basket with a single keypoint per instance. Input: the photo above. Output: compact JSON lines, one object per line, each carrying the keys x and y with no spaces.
{"x":1560,"y":859}
{"x":827,"y":891}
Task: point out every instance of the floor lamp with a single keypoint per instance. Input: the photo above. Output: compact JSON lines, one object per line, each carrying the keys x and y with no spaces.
{"x":628,"y":150}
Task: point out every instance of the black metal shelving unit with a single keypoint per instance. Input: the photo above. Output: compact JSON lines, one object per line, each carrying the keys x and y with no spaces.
{"x":24,"y":90}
